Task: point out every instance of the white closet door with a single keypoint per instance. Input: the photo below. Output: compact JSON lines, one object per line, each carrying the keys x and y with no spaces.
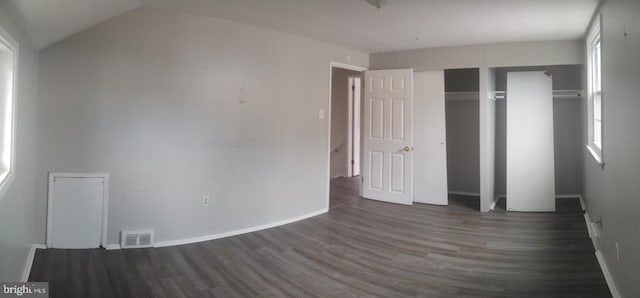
{"x":429,"y":137}
{"x":75,"y":212}
{"x":530,"y":160}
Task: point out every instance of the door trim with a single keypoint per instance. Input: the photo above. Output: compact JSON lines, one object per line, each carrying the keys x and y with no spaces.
{"x":105,"y":201}
{"x":351,"y":123}
{"x":328,"y":119}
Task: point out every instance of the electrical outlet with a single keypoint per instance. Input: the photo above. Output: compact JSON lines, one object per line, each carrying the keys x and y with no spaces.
{"x":617,"y":251}
{"x":205,"y":201}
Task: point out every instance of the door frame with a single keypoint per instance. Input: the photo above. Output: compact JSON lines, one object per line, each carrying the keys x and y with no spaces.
{"x":105,"y":201}
{"x":333,"y":64}
{"x":350,"y":125}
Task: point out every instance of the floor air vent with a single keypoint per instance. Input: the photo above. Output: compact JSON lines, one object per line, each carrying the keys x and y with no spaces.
{"x":136,"y":239}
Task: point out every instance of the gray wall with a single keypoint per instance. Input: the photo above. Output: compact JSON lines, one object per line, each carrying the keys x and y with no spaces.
{"x":612,"y":192}
{"x":175,"y":107}
{"x":567,"y":119}
{"x":340,"y":119}
{"x":17,"y":217}
{"x":463,"y":134}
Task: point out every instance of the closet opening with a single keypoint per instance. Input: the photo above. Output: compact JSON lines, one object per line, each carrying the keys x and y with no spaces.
{"x":345,"y":138}
{"x":567,"y":143}
{"x":463,"y":135}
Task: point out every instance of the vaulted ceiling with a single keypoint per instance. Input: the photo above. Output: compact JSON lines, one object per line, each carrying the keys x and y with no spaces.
{"x":397,"y":25}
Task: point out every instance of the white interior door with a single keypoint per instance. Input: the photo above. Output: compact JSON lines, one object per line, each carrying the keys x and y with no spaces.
{"x":530,"y":158}
{"x":357,"y":112}
{"x":388,"y":136}
{"x":429,"y":136}
{"x":75,"y":212}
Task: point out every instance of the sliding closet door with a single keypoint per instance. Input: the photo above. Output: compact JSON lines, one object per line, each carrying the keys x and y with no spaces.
{"x":530,"y":160}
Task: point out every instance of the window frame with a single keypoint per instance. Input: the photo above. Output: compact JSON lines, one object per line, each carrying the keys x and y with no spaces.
{"x":7,"y":177}
{"x":595,"y":133}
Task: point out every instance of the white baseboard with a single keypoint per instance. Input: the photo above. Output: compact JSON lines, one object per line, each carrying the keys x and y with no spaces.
{"x":607,"y":275}
{"x":27,"y":266}
{"x":594,"y":235}
{"x":464,"y":193}
{"x":112,"y":246}
{"x":238,"y":232}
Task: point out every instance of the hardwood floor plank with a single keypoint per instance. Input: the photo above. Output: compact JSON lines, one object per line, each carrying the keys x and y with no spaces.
{"x":360,"y":248}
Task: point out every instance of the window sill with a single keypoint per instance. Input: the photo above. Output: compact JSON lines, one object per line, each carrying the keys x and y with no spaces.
{"x":596,"y":153}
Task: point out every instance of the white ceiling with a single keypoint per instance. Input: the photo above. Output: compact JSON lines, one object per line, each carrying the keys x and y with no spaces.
{"x":398,"y":25}
{"x":49,"y":21}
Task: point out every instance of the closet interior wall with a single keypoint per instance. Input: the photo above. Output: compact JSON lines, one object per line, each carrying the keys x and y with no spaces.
{"x":463,"y":134}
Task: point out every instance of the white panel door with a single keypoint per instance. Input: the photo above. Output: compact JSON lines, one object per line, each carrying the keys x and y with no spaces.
{"x":357,"y":113}
{"x":429,"y":136}
{"x":388,"y":136}
{"x":75,"y":212}
{"x":530,"y":159}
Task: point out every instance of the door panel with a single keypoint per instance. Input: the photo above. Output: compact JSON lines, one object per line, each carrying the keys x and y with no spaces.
{"x":397,"y":172}
{"x":530,"y":157}
{"x":397,"y":119}
{"x":376,"y":170}
{"x":430,"y":155}
{"x":377,"y":119}
{"x":388,"y":131}
{"x":76,"y":212}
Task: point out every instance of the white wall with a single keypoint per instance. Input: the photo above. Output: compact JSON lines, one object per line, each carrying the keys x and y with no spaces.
{"x":175,"y":107}
{"x":17,"y":217}
{"x":490,"y":55}
{"x":339,"y":120}
{"x":612,"y":193}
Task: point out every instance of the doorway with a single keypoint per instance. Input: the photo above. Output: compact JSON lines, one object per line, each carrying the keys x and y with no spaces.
{"x":462,"y":109}
{"x":345,"y":137}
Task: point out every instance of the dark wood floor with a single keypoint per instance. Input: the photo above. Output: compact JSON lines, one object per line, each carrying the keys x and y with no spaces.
{"x":360,"y":248}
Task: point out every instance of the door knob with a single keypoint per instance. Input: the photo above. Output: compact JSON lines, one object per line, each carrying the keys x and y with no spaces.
{"x":407,"y":148}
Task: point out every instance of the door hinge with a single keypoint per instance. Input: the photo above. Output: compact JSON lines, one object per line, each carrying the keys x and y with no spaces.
{"x":353,"y":87}
{"x":353,"y":162}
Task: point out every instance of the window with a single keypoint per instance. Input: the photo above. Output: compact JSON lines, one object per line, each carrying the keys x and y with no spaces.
{"x":8,"y":67}
{"x":594,"y":63}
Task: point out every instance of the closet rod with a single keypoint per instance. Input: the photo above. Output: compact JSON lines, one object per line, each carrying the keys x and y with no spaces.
{"x":557,"y":94}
